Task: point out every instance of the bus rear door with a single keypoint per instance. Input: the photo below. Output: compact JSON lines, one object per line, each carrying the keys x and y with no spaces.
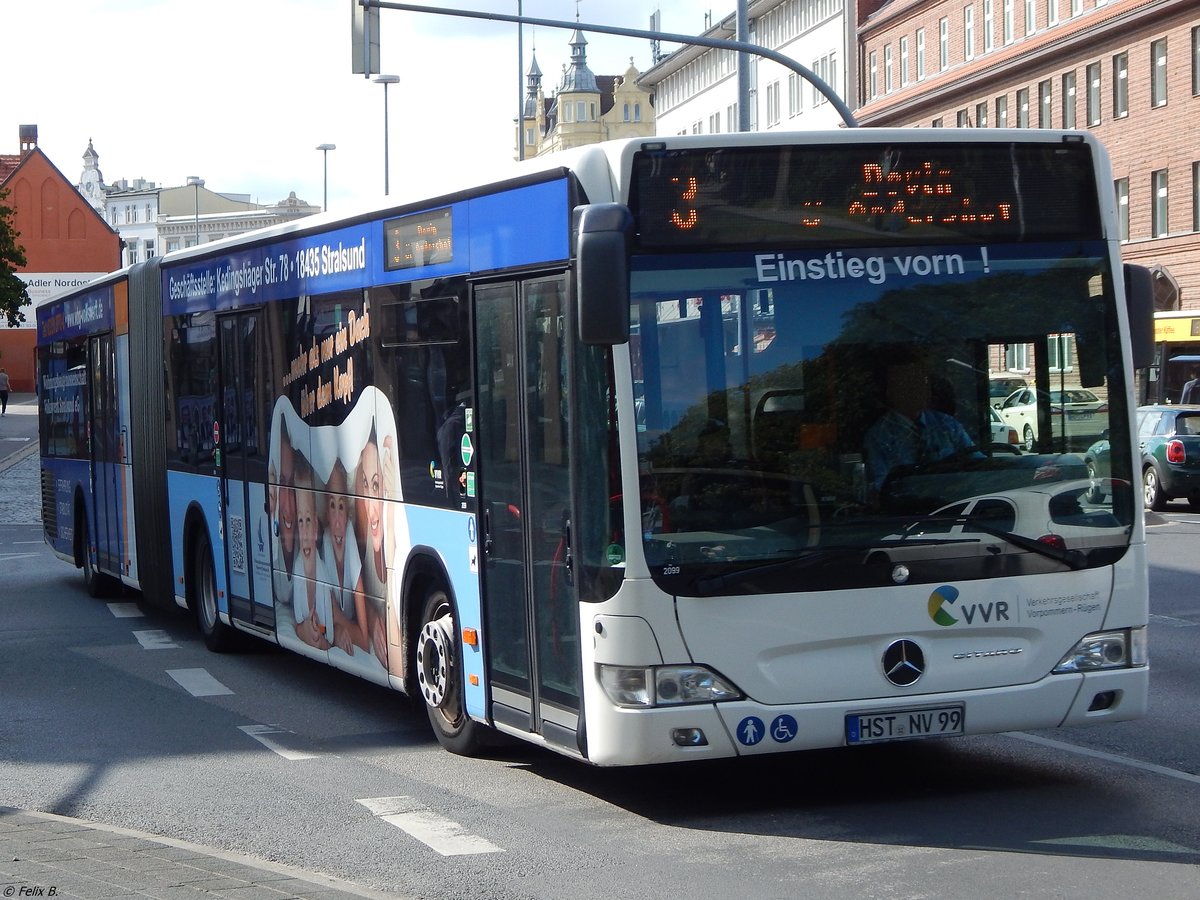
{"x":241,"y":463}
{"x":106,"y":452}
{"x":530,"y":611}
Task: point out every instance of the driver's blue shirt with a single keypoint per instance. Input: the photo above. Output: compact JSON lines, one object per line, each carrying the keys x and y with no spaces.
{"x":896,"y":440}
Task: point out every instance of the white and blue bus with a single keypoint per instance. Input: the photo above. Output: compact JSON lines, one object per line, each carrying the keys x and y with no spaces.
{"x":659,"y":450}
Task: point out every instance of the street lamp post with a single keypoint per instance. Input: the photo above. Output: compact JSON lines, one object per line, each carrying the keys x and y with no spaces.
{"x":385,"y":80}
{"x":197,"y":182}
{"x":325,"y":148}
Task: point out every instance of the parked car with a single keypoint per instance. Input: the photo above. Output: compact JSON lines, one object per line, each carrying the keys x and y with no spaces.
{"x":1099,"y":466}
{"x":1169,"y":438}
{"x":1075,"y":413}
{"x":1056,"y":514}
{"x":1002,"y":432}
{"x":999,"y":388}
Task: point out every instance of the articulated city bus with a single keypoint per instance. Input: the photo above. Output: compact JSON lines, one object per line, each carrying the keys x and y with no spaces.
{"x":659,"y":450}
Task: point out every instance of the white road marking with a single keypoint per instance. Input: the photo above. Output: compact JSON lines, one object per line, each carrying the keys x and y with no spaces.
{"x":155,"y":640}
{"x":260,"y":732}
{"x":126,"y":610}
{"x":8,"y":557}
{"x":436,"y":832}
{"x":1107,"y":757}
{"x":198,"y":682}
{"x":1172,"y":621}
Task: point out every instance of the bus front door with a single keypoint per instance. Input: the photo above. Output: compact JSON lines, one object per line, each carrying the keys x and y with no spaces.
{"x":107,"y":450}
{"x":530,"y":612}
{"x":242,"y":464}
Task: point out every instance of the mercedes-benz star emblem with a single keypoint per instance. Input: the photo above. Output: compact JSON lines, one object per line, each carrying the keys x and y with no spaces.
{"x":903,"y":663}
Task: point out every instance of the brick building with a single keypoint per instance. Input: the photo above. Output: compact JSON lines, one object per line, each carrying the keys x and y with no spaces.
{"x":66,"y":242}
{"x":1128,"y":70}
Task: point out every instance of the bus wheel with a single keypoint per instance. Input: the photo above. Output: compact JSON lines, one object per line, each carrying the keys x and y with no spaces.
{"x":96,"y":583}
{"x":218,"y":636}
{"x":439,"y":675}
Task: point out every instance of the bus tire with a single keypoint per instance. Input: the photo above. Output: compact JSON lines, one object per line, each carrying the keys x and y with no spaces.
{"x":440,"y":677}
{"x":218,"y":636}
{"x":96,"y":583}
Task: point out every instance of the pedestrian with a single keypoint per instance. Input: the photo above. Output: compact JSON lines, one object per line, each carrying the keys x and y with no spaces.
{"x":1189,"y":394}
{"x":3,"y":392}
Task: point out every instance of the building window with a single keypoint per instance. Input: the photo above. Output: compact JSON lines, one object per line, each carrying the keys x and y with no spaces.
{"x":581,"y":111}
{"x":697,"y":127}
{"x":637,"y":112}
{"x":1016,"y":358}
{"x":795,"y":95}
{"x":1093,"y":94}
{"x":1058,"y":349}
{"x":625,"y":110}
{"x":1158,"y":211}
{"x":1030,"y":16}
{"x":920,"y":54}
{"x":1068,"y":100}
{"x":714,"y":123}
{"x":943,"y":44}
{"x":1023,"y":108}
{"x":773,"y":104}
{"x":981,"y":115}
{"x":1076,"y":8}
{"x":1121,"y":186}
{"x":149,"y":249}
{"x":903,"y":61}
{"x":873,"y":75}
{"x":962,"y":119}
{"x":1120,"y":67}
{"x":1045,"y":104}
{"x":938,"y":122}
{"x":1158,"y":73}
{"x":1196,"y":196}
{"x":1008,"y":21}
{"x":968,"y":32}
{"x":1196,"y":61}
{"x":887,"y":69}
{"x":1002,"y":111}
{"x":1051,"y":12}
{"x":989,"y":30}
{"x":731,"y":116}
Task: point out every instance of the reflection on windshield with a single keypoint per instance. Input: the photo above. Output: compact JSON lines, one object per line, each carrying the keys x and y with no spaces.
{"x":827,"y":401}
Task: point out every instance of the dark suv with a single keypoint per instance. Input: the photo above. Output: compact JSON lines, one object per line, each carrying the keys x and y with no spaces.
{"x":1169,"y":437}
{"x":999,"y":388}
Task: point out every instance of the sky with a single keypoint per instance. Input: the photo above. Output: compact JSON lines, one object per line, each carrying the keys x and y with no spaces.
{"x":241,"y":92}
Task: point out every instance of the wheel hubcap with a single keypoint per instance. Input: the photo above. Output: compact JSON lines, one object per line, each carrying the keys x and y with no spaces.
{"x":433,"y":660}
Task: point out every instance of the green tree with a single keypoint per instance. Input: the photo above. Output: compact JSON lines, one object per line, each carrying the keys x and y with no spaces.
{"x":12,"y":257}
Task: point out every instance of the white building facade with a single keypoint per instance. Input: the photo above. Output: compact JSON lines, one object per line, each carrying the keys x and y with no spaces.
{"x":696,"y":88}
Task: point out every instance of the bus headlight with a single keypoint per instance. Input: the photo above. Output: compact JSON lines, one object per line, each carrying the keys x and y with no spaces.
{"x":646,"y":686}
{"x":1121,"y":649}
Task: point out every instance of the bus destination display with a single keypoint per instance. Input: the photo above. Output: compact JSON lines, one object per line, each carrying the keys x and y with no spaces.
{"x":422,"y":239}
{"x":902,"y":192}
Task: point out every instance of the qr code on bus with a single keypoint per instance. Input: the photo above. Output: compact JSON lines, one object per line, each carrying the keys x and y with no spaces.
{"x":237,"y":543}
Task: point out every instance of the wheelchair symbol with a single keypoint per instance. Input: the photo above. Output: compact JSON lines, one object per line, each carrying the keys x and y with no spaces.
{"x":783,"y":729}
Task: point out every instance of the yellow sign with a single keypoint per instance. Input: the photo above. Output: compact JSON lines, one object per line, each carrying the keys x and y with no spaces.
{"x":1176,"y":329}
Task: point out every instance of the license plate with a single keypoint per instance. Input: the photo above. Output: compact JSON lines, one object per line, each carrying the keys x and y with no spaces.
{"x":1080,"y":416}
{"x":904,"y":724}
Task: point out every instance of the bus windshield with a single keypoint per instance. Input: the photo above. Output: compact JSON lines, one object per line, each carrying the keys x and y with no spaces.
{"x":878,"y":413}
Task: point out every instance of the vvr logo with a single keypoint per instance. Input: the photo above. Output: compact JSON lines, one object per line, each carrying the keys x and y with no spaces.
{"x":947,"y":596}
